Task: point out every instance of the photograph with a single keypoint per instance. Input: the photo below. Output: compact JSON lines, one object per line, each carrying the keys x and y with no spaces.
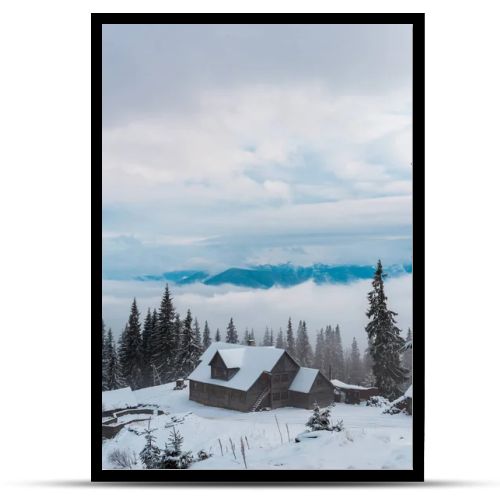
{"x":260,"y":191}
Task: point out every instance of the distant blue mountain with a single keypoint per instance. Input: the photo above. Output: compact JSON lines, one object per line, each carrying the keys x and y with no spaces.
{"x":284,"y":275}
{"x":177,"y":277}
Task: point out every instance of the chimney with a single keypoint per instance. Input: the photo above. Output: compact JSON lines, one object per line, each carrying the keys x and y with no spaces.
{"x":251,"y":342}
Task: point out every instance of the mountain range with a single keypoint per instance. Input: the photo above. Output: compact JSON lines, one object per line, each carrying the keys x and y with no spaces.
{"x":283,"y":275}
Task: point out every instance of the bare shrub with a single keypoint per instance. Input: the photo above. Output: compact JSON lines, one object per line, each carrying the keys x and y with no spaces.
{"x":122,"y":459}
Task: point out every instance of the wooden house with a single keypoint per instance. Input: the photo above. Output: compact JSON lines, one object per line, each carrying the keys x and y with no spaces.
{"x":352,"y":394}
{"x":249,"y":378}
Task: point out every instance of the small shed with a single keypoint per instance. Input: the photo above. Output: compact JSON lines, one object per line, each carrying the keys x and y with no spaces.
{"x":351,"y":393}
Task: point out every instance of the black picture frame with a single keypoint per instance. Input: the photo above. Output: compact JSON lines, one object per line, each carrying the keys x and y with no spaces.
{"x":256,"y":477}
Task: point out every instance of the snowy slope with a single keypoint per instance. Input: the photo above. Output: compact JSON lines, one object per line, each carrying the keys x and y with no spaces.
{"x":371,"y":440}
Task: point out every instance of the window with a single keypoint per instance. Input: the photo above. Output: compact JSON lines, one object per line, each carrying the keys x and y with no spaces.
{"x":276,"y":396}
{"x":284,"y":395}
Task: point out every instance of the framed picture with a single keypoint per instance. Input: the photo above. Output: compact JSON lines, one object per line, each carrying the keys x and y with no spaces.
{"x":258,"y":265}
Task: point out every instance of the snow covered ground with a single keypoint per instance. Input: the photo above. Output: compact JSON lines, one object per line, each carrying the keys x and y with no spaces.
{"x":370,"y":440}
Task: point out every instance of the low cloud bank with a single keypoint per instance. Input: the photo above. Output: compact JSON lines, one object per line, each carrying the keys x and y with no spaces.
{"x":318,"y":305}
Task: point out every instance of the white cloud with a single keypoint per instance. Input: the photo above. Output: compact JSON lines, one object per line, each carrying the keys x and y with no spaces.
{"x":244,"y":130}
{"x":318,"y":305}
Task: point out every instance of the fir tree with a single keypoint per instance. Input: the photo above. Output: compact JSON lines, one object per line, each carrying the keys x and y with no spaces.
{"x":147,"y":335}
{"x":267,"y":338}
{"x":191,"y":348}
{"x":163,"y":343}
{"x":271,"y":338}
{"x":329,"y":355}
{"x":319,"y":420}
{"x":338,"y":355}
{"x":150,"y":454}
{"x":197,"y":331}
{"x":355,"y":365}
{"x":172,"y":456}
{"x":290,"y":340}
{"x":280,"y":341}
{"x":175,"y":441}
{"x":130,"y":350}
{"x":113,"y":376}
{"x":386,"y":341}
{"x":319,"y":353}
{"x":217,"y":335}
{"x":347,"y":366}
{"x":303,"y":346}
{"x":246,"y":337}
{"x":177,"y":349}
{"x":232,"y":334}
{"x":206,"y":337}
{"x":407,"y":353}
{"x":368,"y":378}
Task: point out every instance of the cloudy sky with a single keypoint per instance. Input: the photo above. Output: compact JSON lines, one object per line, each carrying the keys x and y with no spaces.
{"x":229,"y":145}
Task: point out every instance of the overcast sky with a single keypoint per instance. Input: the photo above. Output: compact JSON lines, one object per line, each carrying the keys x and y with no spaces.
{"x":230,"y":145}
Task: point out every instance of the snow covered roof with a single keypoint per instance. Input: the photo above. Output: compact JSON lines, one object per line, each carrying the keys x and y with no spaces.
{"x":251,"y":361}
{"x":118,"y":399}
{"x":304,"y":379}
{"x":233,"y":358}
{"x":343,"y":385}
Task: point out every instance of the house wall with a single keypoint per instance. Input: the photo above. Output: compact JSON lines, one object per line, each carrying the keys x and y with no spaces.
{"x":282,"y":376}
{"x":322,"y":392}
{"x":256,"y":390}
{"x":215,"y":395}
{"x":299,"y":399}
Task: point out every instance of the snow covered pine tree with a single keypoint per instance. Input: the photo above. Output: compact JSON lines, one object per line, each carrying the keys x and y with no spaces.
{"x":385,"y":340}
{"x":232,"y":334}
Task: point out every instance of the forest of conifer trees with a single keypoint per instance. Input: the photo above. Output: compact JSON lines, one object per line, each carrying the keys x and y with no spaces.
{"x":164,"y":347}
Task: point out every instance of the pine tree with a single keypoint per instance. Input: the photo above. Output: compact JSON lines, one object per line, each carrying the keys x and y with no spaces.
{"x":355,"y":365}
{"x":329,"y":356}
{"x":175,"y":441}
{"x":319,"y":353}
{"x":113,"y":378}
{"x":280,"y":342}
{"x":191,"y":349}
{"x":290,"y":340}
{"x":147,"y":336}
{"x":217,"y":335}
{"x":232,"y":334}
{"x":267,"y":338}
{"x":347,"y":366}
{"x":176,"y":355}
{"x":246,"y":338}
{"x":197,"y":331}
{"x":150,"y":454}
{"x":338,"y":355}
{"x":206,"y":337}
{"x":271,"y":338}
{"x":303,"y":346}
{"x":368,"y":378}
{"x":130,"y":349}
{"x":407,"y":358}
{"x":173,"y":457}
{"x":163,"y":342}
{"x":386,"y":340}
